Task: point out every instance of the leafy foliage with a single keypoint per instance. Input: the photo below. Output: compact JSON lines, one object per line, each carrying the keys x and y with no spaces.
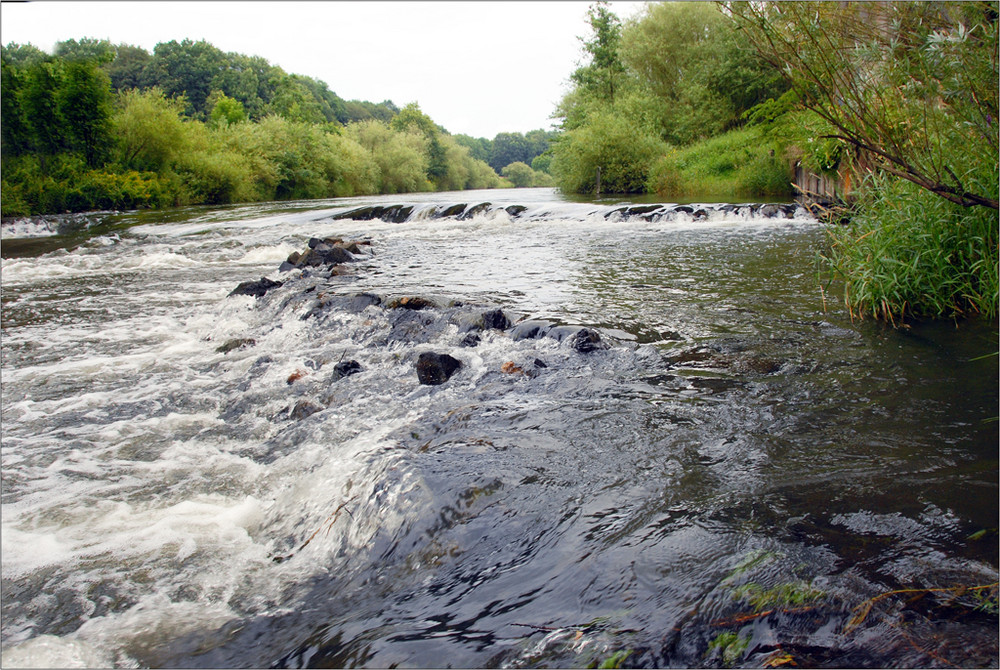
{"x":911,"y":85}
{"x":612,"y":144}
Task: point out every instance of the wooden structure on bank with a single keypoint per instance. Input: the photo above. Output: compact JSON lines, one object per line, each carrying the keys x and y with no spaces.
{"x":821,"y":188}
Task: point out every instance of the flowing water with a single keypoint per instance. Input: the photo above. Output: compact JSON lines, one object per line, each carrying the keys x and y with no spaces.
{"x":735,"y":474}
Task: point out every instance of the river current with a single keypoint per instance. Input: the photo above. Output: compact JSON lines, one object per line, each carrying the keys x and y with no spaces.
{"x":732,"y":473}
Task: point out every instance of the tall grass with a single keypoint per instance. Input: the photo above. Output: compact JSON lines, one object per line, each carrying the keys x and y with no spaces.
{"x":740,"y":163}
{"x":909,"y":253}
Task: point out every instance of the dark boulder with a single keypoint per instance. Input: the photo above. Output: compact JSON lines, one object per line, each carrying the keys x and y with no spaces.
{"x":353,"y":304}
{"x":255,"y":288}
{"x":433,"y":369}
{"x":470,"y":340}
{"x":303,"y":409}
{"x":495,"y":318}
{"x":329,"y":241}
{"x":473,"y":211}
{"x":392,"y":214}
{"x":454,"y":210}
{"x":325,"y":254}
{"x":515,"y":210}
{"x":585,"y":340}
{"x":578,"y":337}
{"x":346,"y":369}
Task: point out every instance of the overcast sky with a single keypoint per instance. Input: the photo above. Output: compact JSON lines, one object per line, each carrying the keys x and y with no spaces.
{"x":474,"y":67}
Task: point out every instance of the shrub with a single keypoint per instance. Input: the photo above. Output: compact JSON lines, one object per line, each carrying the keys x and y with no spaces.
{"x":623,"y":153}
{"x":519,"y":174}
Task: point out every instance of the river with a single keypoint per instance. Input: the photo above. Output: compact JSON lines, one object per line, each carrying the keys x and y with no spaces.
{"x":731,"y":472}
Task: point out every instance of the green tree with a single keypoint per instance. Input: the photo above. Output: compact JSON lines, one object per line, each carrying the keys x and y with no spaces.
{"x":85,"y":104}
{"x":149,"y":129}
{"x":508,"y":148}
{"x":411,"y":118}
{"x":225,"y":110}
{"x":610,"y":142}
{"x":15,"y":130}
{"x":86,"y":49}
{"x":400,"y":156}
{"x":520,"y":174}
{"x":22,"y":55}
{"x":479,"y":147}
{"x":126,"y":70}
{"x":186,"y":69}
{"x":41,"y":107}
{"x":603,"y":75}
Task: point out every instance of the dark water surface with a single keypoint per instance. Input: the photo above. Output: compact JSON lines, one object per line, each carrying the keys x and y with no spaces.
{"x":737,"y":475}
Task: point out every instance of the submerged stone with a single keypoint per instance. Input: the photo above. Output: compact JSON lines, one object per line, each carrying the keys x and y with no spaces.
{"x":303,"y":409}
{"x":531,"y":329}
{"x":470,"y":340}
{"x":411,"y":302}
{"x":238,"y":343}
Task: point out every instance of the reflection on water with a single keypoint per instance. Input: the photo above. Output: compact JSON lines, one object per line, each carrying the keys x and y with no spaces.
{"x":742,"y":476}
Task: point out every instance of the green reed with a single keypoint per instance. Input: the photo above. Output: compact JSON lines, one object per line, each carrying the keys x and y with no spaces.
{"x":909,"y":253}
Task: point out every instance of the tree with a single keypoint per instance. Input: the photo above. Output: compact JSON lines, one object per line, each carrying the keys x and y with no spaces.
{"x":508,"y":148}
{"x":41,"y":107}
{"x":411,"y":118}
{"x":87,"y":49}
{"x":519,"y":174}
{"x":912,"y":87}
{"x":602,"y":76}
{"x":185,"y":68}
{"x":149,"y":129}
{"x":225,"y":110}
{"x":84,"y":103}
{"x":610,"y":142}
{"x":126,"y":70}
{"x":295,"y":102}
{"x":15,"y":131}
{"x":479,"y":147}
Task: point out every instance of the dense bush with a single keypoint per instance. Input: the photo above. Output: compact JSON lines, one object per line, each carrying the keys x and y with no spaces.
{"x":623,"y":154}
{"x":400,"y":158}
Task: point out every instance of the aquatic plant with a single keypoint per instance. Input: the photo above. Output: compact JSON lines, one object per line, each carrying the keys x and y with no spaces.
{"x":789,"y":594}
{"x":729,"y":645}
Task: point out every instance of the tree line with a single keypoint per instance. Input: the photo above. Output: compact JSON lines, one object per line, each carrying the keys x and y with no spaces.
{"x":102,"y":126}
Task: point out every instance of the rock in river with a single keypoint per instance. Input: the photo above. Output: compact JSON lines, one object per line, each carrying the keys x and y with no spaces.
{"x":435,"y":368}
{"x":255,"y":288}
{"x":345,"y":369}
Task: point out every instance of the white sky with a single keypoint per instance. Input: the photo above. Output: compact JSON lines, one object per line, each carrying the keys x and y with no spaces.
{"x":474,"y":67}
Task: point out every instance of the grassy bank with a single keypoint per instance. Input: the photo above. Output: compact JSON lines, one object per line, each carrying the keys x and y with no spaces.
{"x":743,"y":163}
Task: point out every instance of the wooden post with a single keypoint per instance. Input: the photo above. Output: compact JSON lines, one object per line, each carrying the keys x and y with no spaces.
{"x":597,"y":190}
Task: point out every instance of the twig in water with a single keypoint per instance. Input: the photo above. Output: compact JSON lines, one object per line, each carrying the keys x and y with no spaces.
{"x":330,"y":520}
